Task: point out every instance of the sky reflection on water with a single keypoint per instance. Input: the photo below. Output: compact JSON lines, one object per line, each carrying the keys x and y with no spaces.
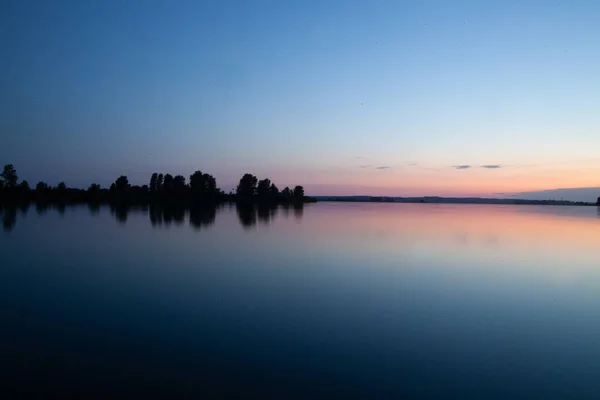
{"x":355,"y":300}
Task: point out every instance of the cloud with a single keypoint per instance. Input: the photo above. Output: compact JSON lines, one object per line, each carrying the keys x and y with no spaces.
{"x":383,"y":167}
{"x":461,"y":166}
{"x":366,"y":166}
{"x":492,"y":166}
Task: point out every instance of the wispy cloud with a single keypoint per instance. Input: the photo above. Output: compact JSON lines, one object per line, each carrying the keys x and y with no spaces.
{"x":366,"y":166}
{"x":492,"y":166}
{"x":461,"y":166}
{"x":383,"y":167}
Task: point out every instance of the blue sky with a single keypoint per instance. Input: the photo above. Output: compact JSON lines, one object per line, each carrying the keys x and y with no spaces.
{"x":319,"y":93}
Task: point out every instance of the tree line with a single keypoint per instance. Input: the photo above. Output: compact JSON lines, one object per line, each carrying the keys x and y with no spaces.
{"x":200,"y":188}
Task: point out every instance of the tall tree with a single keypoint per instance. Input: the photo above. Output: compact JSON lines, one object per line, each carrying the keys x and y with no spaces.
{"x":197,"y":183}
{"x":159,"y":183}
{"x":298,"y":193}
{"x":153,"y":182}
{"x":9,"y":174}
{"x":41,"y":186}
{"x":168,"y":183}
{"x":203,"y":185}
{"x":122,"y":184}
{"x":179,"y":182}
{"x":263,"y":189}
{"x":246,"y":188}
{"x":24,"y":185}
{"x":286,"y":192}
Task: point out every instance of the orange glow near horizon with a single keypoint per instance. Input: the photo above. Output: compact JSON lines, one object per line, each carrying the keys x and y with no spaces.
{"x":453,"y":182}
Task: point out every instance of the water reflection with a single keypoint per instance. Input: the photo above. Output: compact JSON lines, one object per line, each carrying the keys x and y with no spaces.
{"x":41,"y":208}
{"x":160,"y":215}
{"x":266,"y":213}
{"x":94,"y":208}
{"x":246,"y":215}
{"x":298,"y":211}
{"x":60,"y":207}
{"x":249,"y":215}
{"x":9,"y":219}
{"x":393,"y":301}
{"x":202,"y":217}
{"x":24,"y":208}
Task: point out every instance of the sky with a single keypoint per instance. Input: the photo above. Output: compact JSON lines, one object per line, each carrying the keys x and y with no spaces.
{"x":451,"y":98}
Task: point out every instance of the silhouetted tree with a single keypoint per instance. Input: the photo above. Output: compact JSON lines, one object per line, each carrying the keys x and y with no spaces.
{"x":598,"y":202}
{"x":159,"y":183}
{"x":246,"y":188}
{"x":298,"y":193}
{"x":179,"y":183}
{"x":287,"y":193}
{"x":263,"y":189}
{"x":274,"y":190}
{"x":153,"y":183}
{"x":94,"y":188}
{"x":25,"y":186}
{"x":61,"y":187}
{"x":122,"y":184}
{"x":9,"y":174}
{"x":168,"y":183}
{"x":203,"y":186}
{"x":41,"y":187}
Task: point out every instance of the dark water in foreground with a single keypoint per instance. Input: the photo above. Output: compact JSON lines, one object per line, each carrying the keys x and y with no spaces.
{"x":335,"y":300}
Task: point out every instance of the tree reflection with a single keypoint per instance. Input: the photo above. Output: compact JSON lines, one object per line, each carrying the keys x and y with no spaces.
{"x":94,"y":208}
{"x":60,"y":207}
{"x":9,"y":219}
{"x":246,"y":215}
{"x":156,"y":215}
{"x":286,"y":209}
{"x":41,"y":208}
{"x":202,"y":217}
{"x":120,"y":212}
{"x":298,"y":210}
{"x":266,"y":213}
{"x":24,"y":207}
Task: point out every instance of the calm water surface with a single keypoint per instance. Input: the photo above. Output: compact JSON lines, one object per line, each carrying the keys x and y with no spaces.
{"x":332,"y":300}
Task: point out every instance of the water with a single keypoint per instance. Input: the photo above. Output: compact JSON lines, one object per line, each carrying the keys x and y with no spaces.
{"x":333,"y":300}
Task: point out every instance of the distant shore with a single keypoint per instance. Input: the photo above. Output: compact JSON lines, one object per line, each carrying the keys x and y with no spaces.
{"x":450,"y":200}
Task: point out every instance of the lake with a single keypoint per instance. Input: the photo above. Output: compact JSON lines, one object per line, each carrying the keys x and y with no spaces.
{"x":331,"y":300}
